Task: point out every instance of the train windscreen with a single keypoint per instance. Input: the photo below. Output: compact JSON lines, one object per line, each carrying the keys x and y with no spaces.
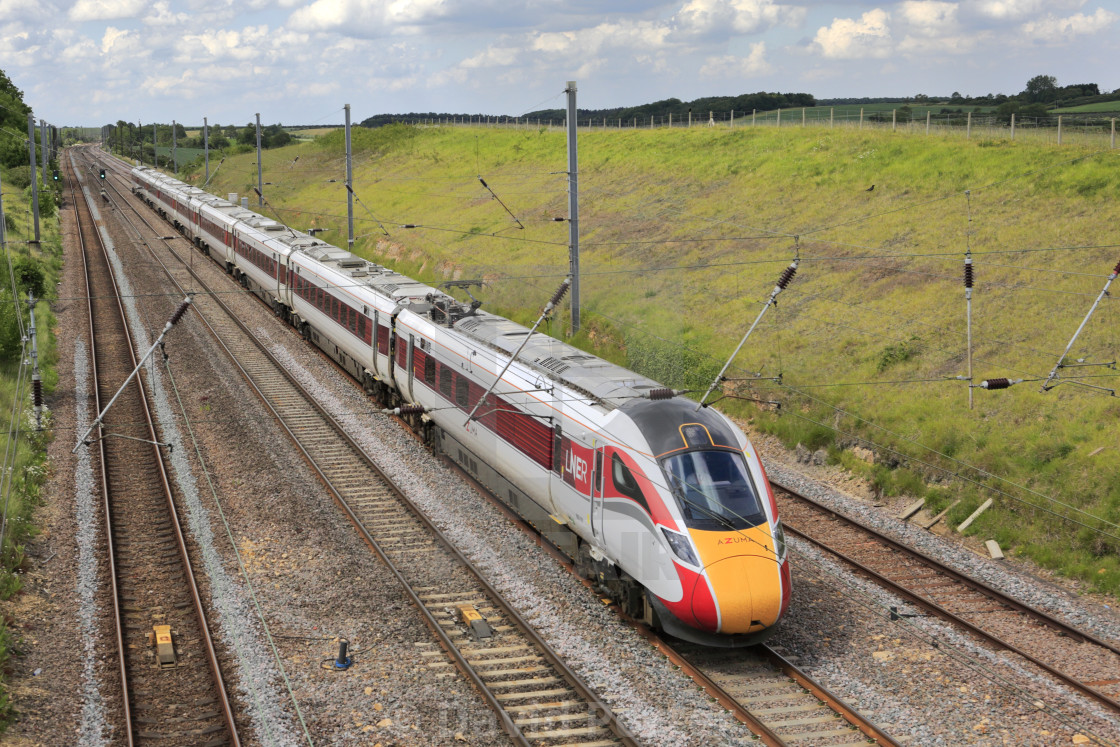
{"x":714,"y":490}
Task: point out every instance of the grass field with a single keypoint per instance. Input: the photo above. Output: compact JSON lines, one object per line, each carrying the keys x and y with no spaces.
{"x":684,"y":233}
{"x":1101,"y":107}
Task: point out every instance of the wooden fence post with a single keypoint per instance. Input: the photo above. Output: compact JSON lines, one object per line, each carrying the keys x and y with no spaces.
{"x":894,"y":119}
{"x":779,"y":118}
{"x":831,"y":116}
{"x":753,"y":113}
{"x":1012,"y":125}
{"x":1059,"y":129}
{"x":802,"y":116}
{"x":861,"y":117}
{"x":968,"y":127}
{"x":732,"y":123}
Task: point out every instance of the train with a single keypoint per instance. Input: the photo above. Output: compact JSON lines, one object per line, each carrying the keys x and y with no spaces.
{"x":662,"y":503}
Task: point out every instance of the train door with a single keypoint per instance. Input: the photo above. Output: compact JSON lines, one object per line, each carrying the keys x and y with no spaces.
{"x":597,"y":494}
{"x":411,"y":348}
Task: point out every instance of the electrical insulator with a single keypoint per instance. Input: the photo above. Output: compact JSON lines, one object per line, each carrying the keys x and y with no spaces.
{"x":37,"y":392}
{"x":662,"y":393}
{"x":968,"y":272}
{"x":787,"y":276}
{"x":560,"y":292}
{"x":179,"y":313}
{"x":996,"y":383}
{"x":1116,"y":270}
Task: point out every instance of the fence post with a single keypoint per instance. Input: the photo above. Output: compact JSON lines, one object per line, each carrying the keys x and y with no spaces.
{"x":733,"y":120}
{"x":968,"y":127}
{"x":894,"y":119}
{"x":753,"y":113}
{"x":1012,"y":125}
{"x":779,"y":118}
{"x":651,"y":121}
{"x":1059,"y":129}
{"x":831,"y":115}
{"x":802,"y":116}
{"x":1112,"y":142}
{"x":670,"y":119}
{"x":861,"y":117}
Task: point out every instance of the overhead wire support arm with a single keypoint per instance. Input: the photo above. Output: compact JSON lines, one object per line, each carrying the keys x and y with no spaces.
{"x":783,"y":282}
{"x":1047,"y":386}
{"x":158,"y":343}
{"x":499,"y":199}
{"x":549,"y":307}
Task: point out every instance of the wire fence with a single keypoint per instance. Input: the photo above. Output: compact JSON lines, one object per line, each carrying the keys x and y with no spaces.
{"x":1061,"y":129}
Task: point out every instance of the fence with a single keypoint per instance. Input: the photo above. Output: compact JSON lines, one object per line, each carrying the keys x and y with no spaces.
{"x":1057,"y":130}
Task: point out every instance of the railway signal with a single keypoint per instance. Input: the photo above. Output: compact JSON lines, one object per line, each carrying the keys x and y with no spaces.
{"x":101,"y":173}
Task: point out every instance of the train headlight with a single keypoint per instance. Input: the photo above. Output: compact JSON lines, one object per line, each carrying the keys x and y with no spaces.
{"x":779,"y":541}
{"x":682,"y":548}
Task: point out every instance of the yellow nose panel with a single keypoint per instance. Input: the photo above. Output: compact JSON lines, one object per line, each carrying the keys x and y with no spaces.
{"x":744,"y":575}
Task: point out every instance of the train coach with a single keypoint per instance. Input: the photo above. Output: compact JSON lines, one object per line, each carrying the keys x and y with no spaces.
{"x":664,"y":504}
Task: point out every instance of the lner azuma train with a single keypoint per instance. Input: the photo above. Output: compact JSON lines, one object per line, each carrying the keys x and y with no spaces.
{"x":665,"y":505}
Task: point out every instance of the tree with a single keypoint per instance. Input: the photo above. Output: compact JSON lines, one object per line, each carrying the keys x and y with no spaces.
{"x":1005,"y":110}
{"x":1041,"y":89}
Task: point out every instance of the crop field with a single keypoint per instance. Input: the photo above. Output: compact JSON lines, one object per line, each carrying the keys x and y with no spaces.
{"x":684,"y":232}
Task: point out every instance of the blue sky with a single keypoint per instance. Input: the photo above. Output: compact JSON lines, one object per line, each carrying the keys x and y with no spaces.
{"x":298,"y":61}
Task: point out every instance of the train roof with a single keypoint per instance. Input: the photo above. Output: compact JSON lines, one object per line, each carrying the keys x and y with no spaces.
{"x":606,"y":383}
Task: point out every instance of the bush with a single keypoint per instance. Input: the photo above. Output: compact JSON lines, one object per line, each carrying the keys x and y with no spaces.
{"x":20,"y":176}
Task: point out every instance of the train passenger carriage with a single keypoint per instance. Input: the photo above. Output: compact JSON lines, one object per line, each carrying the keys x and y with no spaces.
{"x":664,"y":504}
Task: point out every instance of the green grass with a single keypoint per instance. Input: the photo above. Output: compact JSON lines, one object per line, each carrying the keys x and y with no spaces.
{"x":684,"y":233}
{"x":1096,"y":108}
{"x":29,"y":467}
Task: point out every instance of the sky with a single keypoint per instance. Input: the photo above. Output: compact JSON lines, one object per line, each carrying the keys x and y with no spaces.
{"x":297,"y":62}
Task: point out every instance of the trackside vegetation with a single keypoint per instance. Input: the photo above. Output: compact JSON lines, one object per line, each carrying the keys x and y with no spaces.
{"x":25,"y":267}
{"x":684,"y":233}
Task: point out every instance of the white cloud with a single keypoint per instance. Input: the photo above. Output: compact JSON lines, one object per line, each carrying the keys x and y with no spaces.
{"x":725,"y":17}
{"x":25,"y":10}
{"x":1012,"y":10}
{"x":106,"y":10}
{"x":928,"y":17}
{"x":731,"y":66}
{"x":1060,"y":31}
{"x":372,"y":18}
{"x":160,"y":14}
{"x":849,"y":39}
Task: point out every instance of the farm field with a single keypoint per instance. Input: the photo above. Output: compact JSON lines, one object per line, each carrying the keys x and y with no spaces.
{"x":684,"y":233}
{"x":1097,"y":108}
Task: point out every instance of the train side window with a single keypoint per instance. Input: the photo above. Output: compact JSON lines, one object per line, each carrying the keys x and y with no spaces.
{"x":462,"y":391}
{"x":353,"y":321}
{"x":430,"y":370}
{"x":624,"y":481}
{"x":362,"y":327}
{"x":334,"y":308}
{"x":445,"y":381}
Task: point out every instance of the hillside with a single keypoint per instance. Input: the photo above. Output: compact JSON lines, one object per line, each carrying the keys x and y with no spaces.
{"x":685,"y":232}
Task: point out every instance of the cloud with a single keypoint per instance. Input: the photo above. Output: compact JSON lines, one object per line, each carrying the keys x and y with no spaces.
{"x":1012,"y":10}
{"x":105,"y":10}
{"x":725,"y":17}
{"x":850,"y":39}
{"x":928,"y":17}
{"x":370,"y":18}
{"x":1059,"y":31}
{"x":25,"y":10}
{"x":731,"y":66}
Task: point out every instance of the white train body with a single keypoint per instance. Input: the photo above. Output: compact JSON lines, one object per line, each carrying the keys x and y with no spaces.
{"x":667,"y":506}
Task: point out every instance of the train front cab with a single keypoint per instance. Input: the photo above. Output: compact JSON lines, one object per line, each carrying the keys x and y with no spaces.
{"x":730,"y":556}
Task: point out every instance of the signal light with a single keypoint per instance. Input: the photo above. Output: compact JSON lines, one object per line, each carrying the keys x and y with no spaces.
{"x":54,"y":175}
{"x":102,"y":173}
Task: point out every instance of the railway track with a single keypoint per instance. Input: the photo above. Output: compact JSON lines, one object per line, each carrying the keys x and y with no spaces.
{"x":171,"y":682}
{"x":1075,"y":657}
{"x":538,"y":699}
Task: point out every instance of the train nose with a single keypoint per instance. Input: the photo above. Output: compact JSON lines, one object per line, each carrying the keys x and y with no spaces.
{"x":747,"y":591}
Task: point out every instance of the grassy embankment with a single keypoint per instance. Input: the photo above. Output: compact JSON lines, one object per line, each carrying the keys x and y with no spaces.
{"x":684,"y":233}
{"x":26,"y":457}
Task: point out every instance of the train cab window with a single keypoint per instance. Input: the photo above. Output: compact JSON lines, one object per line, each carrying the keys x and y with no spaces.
{"x":462,"y":392}
{"x":714,"y":490}
{"x":429,"y":369}
{"x":624,"y":481}
{"x":445,"y":382}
